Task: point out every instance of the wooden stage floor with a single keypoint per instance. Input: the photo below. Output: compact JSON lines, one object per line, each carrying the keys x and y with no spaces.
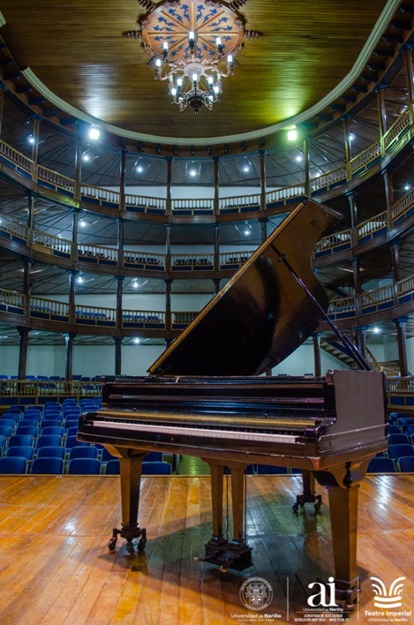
{"x":55,"y":567}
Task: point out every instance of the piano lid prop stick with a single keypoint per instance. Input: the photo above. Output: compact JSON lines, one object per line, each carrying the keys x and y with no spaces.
{"x":357,"y":356}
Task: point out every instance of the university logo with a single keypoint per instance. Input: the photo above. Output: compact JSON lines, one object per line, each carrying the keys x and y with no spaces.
{"x":256,"y":593}
{"x":325,"y":597}
{"x":390,"y":599}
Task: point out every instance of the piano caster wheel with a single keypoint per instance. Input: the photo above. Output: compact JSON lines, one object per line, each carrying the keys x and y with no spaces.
{"x":112,"y":544}
{"x":307,"y":498}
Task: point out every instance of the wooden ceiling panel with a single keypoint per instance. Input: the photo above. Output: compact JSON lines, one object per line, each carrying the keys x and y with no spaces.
{"x":77,"y":50}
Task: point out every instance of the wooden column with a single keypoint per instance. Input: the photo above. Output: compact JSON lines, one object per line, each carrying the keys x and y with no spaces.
{"x":216,"y":201}
{"x":119,"y":293}
{"x":317,"y":353}
{"x":75,"y":228}
{"x":122,"y":181}
{"x":396,"y":267}
{"x":24,"y":344}
{"x":169,"y":183}
{"x":118,"y":354}
{"x":389,"y":194}
{"x":72,"y":304}
{"x":382,"y":115}
{"x":2,"y":90}
{"x":35,"y":147}
{"x":78,"y":170}
{"x":357,"y":285}
{"x":120,"y":243}
{"x":263,"y":226}
{"x":168,"y":317}
{"x":347,"y":146}
{"x":69,"y":356}
{"x":353,"y":218}
{"x":402,"y":344}
{"x":361,"y":335}
{"x":262,"y":154}
{"x":306,"y":165}
{"x":168,"y":247}
{"x":27,"y":286}
{"x":216,"y":259}
{"x":30,"y":218}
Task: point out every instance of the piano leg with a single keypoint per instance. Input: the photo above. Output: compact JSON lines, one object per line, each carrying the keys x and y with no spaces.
{"x":308,"y":495}
{"x":130,"y":462}
{"x":235,"y":554}
{"x":342,"y":485}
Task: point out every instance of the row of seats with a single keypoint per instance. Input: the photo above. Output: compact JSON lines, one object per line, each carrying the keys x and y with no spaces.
{"x":399,"y":455}
{"x":76,"y":466}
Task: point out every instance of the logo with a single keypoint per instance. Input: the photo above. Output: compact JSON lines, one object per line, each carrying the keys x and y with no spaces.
{"x":392,"y":599}
{"x":325,"y":596}
{"x":256,"y":593}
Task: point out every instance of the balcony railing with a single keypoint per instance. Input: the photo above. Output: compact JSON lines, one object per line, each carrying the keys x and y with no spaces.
{"x":192,"y":262}
{"x":361,"y":162}
{"x":239,"y":204}
{"x":12,"y":229}
{"x":51,"y":244}
{"x":329,"y":180}
{"x":371,"y":228}
{"x":100,"y":196}
{"x":197,"y":206}
{"x":377,"y":299}
{"x":42,"y":308}
{"x":333,"y":243}
{"x":143,"y":319}
{"x":12,"y":302}
{"x":97,"y":254}
{"x":234,"y":260}
{"x":95,"y":316}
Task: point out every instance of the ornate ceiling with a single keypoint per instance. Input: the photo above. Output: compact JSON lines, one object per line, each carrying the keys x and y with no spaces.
{"x":309,"y":55}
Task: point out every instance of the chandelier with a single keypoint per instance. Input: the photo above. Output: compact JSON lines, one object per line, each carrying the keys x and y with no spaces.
{"x":192,"y":45}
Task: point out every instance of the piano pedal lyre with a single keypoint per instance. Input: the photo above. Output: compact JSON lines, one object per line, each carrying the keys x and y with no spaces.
{"x":234,"y":555}
{"x":129,"y":534}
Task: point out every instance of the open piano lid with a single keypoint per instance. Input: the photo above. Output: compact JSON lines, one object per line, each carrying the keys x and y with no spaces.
{"x":263,"y":313}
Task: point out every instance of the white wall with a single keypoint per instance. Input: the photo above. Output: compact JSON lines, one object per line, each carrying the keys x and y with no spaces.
{"x":91,"y":360}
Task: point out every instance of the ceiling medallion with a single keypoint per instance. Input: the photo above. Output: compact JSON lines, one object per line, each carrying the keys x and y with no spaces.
{"x":193,"y":45}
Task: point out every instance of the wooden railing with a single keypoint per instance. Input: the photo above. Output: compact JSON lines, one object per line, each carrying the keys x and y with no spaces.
{"x":36,"y":391}
{"x":393,"y":139}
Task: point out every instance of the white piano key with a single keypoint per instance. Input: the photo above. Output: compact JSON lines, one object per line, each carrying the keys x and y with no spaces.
{"x":191,"y":431}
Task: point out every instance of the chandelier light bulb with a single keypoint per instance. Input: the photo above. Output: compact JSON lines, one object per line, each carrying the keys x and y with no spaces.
{"x":195,"y":78}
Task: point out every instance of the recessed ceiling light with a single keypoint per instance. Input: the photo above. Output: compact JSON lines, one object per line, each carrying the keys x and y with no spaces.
{"x":192,"y":172}
{"x":94,"y":133}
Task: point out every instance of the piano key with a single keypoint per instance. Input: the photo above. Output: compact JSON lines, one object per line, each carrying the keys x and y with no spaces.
{"x":202,"y":432}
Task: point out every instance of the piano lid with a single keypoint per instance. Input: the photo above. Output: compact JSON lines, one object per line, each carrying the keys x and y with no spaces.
{"x":262,"y":314}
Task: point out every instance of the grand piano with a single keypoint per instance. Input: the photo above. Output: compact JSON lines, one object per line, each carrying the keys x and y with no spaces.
{"x":209,"y":395}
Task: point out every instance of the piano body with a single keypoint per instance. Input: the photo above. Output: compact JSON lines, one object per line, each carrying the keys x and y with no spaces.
{"x":205,"y":397}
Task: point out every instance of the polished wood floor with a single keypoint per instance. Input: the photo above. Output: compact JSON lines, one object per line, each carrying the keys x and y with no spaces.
{"x":55,"y":567}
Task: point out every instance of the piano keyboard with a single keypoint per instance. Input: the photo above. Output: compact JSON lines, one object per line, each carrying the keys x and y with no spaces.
{"x":128,"y":426}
